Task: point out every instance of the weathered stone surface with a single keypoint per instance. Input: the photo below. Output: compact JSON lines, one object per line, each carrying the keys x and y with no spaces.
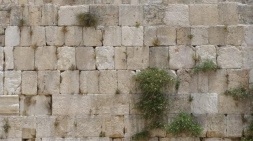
{"x":89,"y":81}
{"x":45,"y":58}
{"x":200,"y":35}
{"x":179,"y":103}
{"x":9,"y":105}
{"x":188,"y":82}
{"x":204,"y":103}
{"x":105,"y":57}
{"x":73,"y":36}
{"x":159,"y":57}
{"x":251,"y":76}
{"x":66,"y":58}
{"x":248,"y":34}
{"x":2,"y":61}
{"x":45,"y":126}
{"x":4,"y":18}
{"x":48,"y":82}
{"x":217,"y":81}
{"x":228,"y":13}
{"x":235,"y":35}
{"x":154,"y":14}
{"x":177,"y":15}
{"x":25,"y":36}
{"x":29,"y":82}
{"x":126,"y":81}
{"x":107,"y":82}
{"x":229,"y":57}
{"x":180,"y":139}
{"x":137,"y":57}
{"x":24,"y":58}
{"x":206,"y":52}
{"x":34,"y":15}
{"x":54,"y":36}
{"x":9,"y":58}
{"x":245,"y":14}
{"x":234,"y":126}
{"x":85,"y":58}
{"x":28,"y":133}
{"x":130,"y":15}
{"x":184,"y":36}
{"x":181,"y":57}
{"x":38,"y":36}
{"x":120,"y":58}
{"x":217,"y":35}
{"x":112,"y":36}
{"x":49,"y":19}
{"x":92,"y":37}
{"x":67,"y":14}
{"x":1,"y":82}
{"x":12,"y":82}
{"x":133,"y":124}
{"x":12,"y":36}
{"x":237,"y":77}
{"x":69,"y":82}
{"x":132,"y":36}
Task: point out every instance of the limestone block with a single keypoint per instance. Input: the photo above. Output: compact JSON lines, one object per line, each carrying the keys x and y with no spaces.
{"x":9,"y":105}
{"x":237,"y":77}
{"x":45,"y":126}
{"x":45,"y":58}
{"x":130,"y":15}
{"x":229,"y":57}
{"x":247,"y":58}
{"x":69,"y":82}
{"x":200,"y":35}
{"x":12,"y":36}
{"x":133,"y":124}
{"x":188,"y":82}
{"x":2,"y":42}
{"x":96,"y":139}
{"x":73,"y":36}
{"x":228,"y":13}
{"x":38,"y":36}
{"x":120,"y":105}
{"x":108,"y":15}
{"x":67,"y":14}
{"x":34,"y":15}
{"x":206,"y":52}
{"x":15,"y":14}
{"x":24,"y":58}
{"x":49,"y":19}
{"x":16,"y":130}
{"x":4,"y":18}
{"x":29,"y":82}
{"x":159,"y":57}
{"x":177,"y":15}
{"x":184,"y":36}
{"x":181,"y":57}
{"x":137,"y":57}
{"x":234,"y":126}
{"x":54,"y":36}
{"x":1,"y":83}
{"x":245,"y":14}
{"x":235,"y":35}
{"x":108,"y":81}
{"x":120,"y":58}
{"x":65,"y":127}
{"x":26,"y":33}
{"x":217,"y":81}
{"x":217,"y":35}
{"x":2,"y":58}
{"x":204,"y":103}
{"x":208,"y":15}
{"x":104,"y":57}
{"x":28,"y":133}
{"x":248,"y":35}
{"x":48,"y":82}
{"x":66,"y":58}
{"x":12,"y":82}
{"x":85,"y":58}
{"x":154,"y":14}
{"x":89,"y":82}
{"x":251,"y":76}
{"x":92,"y":37}
{"x":179,"y":103}
{"x":126,"y":81}
{"x":132,"y":36}
{"x":35,"y":105}
{"x":112,"y":36}
{"x":114,"y":126}
{"x":9,"y":58}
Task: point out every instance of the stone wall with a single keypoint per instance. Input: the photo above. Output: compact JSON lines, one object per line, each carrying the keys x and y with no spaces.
{"x":58,"y":80}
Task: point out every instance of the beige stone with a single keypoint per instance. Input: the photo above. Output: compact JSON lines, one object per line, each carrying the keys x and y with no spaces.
{"x":217,"y":35}
{"x":200,"y":35}
{"x":166,"y":35}
{"x":1,"y":82}
{"x":188,"y":82}
{"x":126,"y":81}
{"x":28,"y":133}
{"x":38,"y":37}
{"x":159,"y":57}
{"x":12,"y":82}
{"x":29,"y":82}
{"x":179,"y":103}
{"x":54,"y":36}
{"x":34,"y":15}
{"x":247,"y":58}
{"x":218,"y":81}
{"x":12,"y":36}
{"x":49,"y":19}
{"x":130,"y":15}
{"x":45,"y":126}
{"x":46,"y":58}
{"x":73,"y":36}
{"x":132,"y":36}
{"x":105,"y":57}
{"x":204,"y":103}
{"x":92,"y":37}
{"x":48,"y":82}
{"x":228,"y":13}
{"x":2,"y":61}
{"x":237,"y":78}
{"x":235,"y":35}
{"x":184,"y":36}
{"x":229,"y":57}
{"x":108,"y":81}
{"x":234,"y":126}
{"x":248,"y":31}
{"x":206,"y":52}
{"x":23,"y":58}
{"x":9,"y":58}
{"x":66,"y":58}
{"x":177,"y":15}
{"x":120,"y":58}
{"x":137,"y":58}
{"x":112,"y":36}
{"x":85,"y":58}
{"x":25,"y":36}
{"x":9,"y":105}
{"x":69,"y":82}
{"x":89,"y":82}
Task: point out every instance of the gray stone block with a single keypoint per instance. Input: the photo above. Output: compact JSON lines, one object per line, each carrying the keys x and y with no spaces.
{"x":48,"y":82}
{"x":66,"y":58}
{"x":137,"y":58}
{"x":12,"y":82}
{"x":132,"y":36}
{"x":29,"y":82}
{"x":85,"y":58}
{"x":130,"y":15}
{"x":105,"y":57}
{"x":69,"y":82}
{"x":23,"y":58}
{"x":46,"y":58}
{"x":204,"y":103}
{"x":229,"y":57}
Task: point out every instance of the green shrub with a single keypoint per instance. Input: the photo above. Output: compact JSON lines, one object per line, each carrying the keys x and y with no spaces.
{"x":206,"y":65}
{"x":144,"y":135}
{"x":239,"y":93}
{"x":247,"y":139}
{"x":184,"y":123}
{"x":87,"y":20}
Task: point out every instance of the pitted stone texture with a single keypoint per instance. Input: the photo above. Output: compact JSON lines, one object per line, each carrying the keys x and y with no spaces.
{"x":89,"y":82}
{"x":181,"y":57}
{"x":130,"y":15}
{"x":229,"y":57}
{"x":108,"y":82}
{"x":204,"y":103}
{"x":25,"y":36}
{"x":12,"y":82}
{"x":66,"y":58}
{"x":235,"y":35}
{"x":126,"y":81}
{"x":54,"y":36}
{"x":237,"y":77}
{"x":29,"y":82}
{"x":120,"y":58}
{"x":234,"y":126}
{"x":180,"y":103}
{"x":48,"y":82}
{"x":69,"y":82}
{"x":67,"y":14}
{"x":154,"y":14}
{"x":9,"y":58}
{"x":183,"y":36}
{"x":112,"y":36}
{"x":137,"y":58}
{"x":206,"y":52}
{"x":38,"y":36}
{"x":85,"y":58}
{"x":1,"y":82}
{"x":208,"y":15}
{"x":217,"y":35}
{"x":24,"y":58}
{"x":132,"y":36}
{"x":105,"y":57}
{"x":49,"y":19}
{"x":200,"y":35}
{"x":248,"y":30}
{"x":34,"y":16}
{"x":228,"y":13}
{"x":12,"y":36}
{"x":159,"y":57}
{"x":245,"y":14}
{"x":92,"y":37}
{"x":177,"y":15}
{"x":45,"y":126}
{"x":9,"y":105}
{"x":46,"y":58}
{"x":247,"y":57}
{"x":73,"y":36}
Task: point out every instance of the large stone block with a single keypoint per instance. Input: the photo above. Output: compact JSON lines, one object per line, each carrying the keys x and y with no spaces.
{"x":5,"y":18}
{"x":89,"y":82}
{"x":15,"y":14}
{"x":137,"y":57}
{"x":248,"y":35}
{"x":25,"y":36}
{"x":183,"y":36}
{"x":12,"y":82}
{"x":235,"y":35}
{"x":68,"y":14}
{"x":204,"y":103}
{"x":9,"y":58}
{"x":2,"y":58}
{"x":54,"y":36}
{"x":228,"y":13}
{"x":217,"y":35}
{"x":46,"y":58}
{"x":1,"y":82}
{"x":237,"y":78}
{"x":92,"y":37}
{"x":120,"y":58}
{"x":112,"y":36}
{"x":154,"y":14}
{"x":159,"y":57}
{"x":133,"y":124}
{"x":48,"y":82}
{"x":69,"y":82}
{"x":130,"y":15}
{"x":24,"y":58}
{"x":29,"y":82}
{"x":181,"y":57}
{"x":12,"y":36}
{"x":234,"y":126}
{"x":49,"y":19}
{"x":73,"y":36}
{"x":229,"y":57}
{"x":66,"y":58}
{"x":247,"y":57}
{"x":132,"y":36}
{"x":45,"y":126}
{"x":108,"y":82}
{"x":9,"y":105}
{"x":104,"y":57}
{"x":177,"y":15}
{"x":245,"y":14}
{"x":38,"y":37}
{"x":179,"y":103}
{"x":34,"y":15}
{"x":126,"y":81}
{"x":206,"y":52}
{"x":217,"y":81}
{"x":188,"y":82}
{"x":85,"y":58}
{"x":200,"y":35}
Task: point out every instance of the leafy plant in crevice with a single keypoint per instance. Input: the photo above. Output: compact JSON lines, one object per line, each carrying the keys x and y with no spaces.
{"x":87,"y":19}
{"x":204,"y":66}
{"x":6,"y":125}
{"x":144,"y":135}
{"x":184,"y":123}
{"x":240,"y":93}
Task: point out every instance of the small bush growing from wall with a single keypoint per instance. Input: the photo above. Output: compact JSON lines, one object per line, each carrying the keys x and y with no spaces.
{"x":87,"y":20}
{"x":239,"y":93}
{"x":206,"y":65}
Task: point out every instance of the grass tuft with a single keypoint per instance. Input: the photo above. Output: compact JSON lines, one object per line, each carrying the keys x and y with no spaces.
{"x":206,"y":65}
{"x":87,"y":19}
